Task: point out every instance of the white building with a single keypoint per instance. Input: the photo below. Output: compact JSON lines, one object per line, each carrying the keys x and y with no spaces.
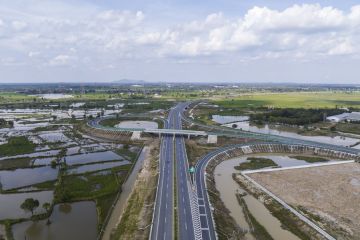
{"x":349,"y":117}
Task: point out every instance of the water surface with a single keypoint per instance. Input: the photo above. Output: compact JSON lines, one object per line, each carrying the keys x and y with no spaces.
{"x":76,"y":221}
{"x":10,"y":204}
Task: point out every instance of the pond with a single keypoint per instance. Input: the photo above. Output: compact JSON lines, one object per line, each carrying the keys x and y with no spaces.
{"x":54,"y":137}
{"x":137,"y":124}
{"x":54,"y":96}
{"x":10,"y":204}
{"x":92,"y":157}
{"x":228,"y":119}
{"x":337,"y":140}
{"x":97,"y":167}
{"x":43,"y":161}
{"x":49,"y":153}
{"x":74,"y":221}
{"x":26,"y":176}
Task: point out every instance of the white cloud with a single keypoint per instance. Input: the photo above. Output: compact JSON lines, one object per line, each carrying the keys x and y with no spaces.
{"x":61,"y":60}
{"x":301,"y":31}
{"x":19,"y":25}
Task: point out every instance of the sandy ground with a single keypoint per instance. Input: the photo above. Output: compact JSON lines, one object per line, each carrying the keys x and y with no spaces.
{"x":331,"y":192}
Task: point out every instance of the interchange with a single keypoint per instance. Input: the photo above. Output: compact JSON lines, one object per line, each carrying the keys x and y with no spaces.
{"x":182,"y":208}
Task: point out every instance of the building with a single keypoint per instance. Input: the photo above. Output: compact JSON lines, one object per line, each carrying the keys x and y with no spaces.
{"x":345,"y":117}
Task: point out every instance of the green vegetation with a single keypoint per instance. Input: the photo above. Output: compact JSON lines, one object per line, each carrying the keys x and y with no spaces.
{"x":256,"y":163}
{"x":17,"y":145}
{"x":315,"y":100}
{"x":6,"y":124}
{"x":293,"y":116}
{"x":311,"y":159}
{"x":100,"y":187}
{"x":14,"y":163}
{"x":136,"y":218}
{"x":348,"y":127}
{"x":30,"y":205}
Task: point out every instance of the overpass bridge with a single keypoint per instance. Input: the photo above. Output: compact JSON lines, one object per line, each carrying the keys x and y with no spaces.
{"x":136,"y":132}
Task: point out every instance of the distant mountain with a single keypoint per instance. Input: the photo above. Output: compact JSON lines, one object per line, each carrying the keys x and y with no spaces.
{"x":129,"y":81}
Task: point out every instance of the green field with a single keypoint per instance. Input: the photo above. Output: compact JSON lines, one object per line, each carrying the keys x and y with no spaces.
{"x":16,"y":145}
{"x":293,"y":100}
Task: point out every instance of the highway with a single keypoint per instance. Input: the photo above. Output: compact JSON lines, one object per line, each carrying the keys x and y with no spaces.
{"x":191,"y":206}
{"x":163,"y":218}
{"x":163,"y":221}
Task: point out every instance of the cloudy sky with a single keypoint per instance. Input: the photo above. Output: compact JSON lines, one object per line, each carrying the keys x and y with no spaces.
{"x":173,"y":40}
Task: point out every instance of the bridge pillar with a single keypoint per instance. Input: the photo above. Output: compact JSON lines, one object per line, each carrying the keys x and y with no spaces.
{"x":189,"y":136}
{"x":212,"y":139}
{"x":136,"y":135}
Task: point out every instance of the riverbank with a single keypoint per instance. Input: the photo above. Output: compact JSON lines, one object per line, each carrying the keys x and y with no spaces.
{"x":135,"y":221}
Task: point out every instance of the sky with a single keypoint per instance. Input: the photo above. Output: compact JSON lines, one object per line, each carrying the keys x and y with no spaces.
{"x":180,"y":41}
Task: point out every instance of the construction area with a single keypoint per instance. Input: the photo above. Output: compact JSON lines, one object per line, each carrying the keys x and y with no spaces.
{"x":327,"y":195}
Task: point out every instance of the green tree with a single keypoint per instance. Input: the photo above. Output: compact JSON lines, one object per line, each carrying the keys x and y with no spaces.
{"x":47,"y":207}
{"x":30,"y":205}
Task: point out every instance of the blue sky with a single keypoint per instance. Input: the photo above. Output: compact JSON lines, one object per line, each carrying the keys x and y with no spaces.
{"x":187,"y":41}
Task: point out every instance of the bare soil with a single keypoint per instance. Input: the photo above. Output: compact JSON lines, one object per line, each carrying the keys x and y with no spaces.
{"x":329,"y":195}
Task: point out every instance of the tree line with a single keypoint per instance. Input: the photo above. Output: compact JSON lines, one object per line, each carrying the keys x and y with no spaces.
{"x":294,"y":116}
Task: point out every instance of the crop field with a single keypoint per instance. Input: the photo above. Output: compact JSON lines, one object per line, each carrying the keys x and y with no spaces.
{"x":293,"y":100}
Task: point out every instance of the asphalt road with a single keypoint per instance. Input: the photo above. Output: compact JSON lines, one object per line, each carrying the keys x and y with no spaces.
{"x":173,"y":156}
{"x":163,"y":220}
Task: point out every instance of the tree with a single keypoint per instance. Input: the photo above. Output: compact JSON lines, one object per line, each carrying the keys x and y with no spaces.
{"x":234,"y":125}
{"x":30,"y":205}
{"x":47,"y":207}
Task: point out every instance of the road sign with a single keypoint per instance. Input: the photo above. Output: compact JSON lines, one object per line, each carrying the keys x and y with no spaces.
{"x":192,"y":170}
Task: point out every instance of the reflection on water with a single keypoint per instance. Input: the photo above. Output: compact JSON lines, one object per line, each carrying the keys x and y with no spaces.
{"x":337,"y":140}
{"x":97,"y":167}
{"x":137,"y":124}
{"x":76,"y":221}
{"x":228,"y":188}
{"x":10,"y":203}
{"x":27,"y":176}
{"x":92,"y":157}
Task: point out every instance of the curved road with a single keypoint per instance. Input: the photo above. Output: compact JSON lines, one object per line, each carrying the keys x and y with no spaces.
{"x":193,"y":209}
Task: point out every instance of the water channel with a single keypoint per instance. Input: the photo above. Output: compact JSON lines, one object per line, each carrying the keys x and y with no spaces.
{"x":228,"y":188}
{"x":336,"y":140}
{"x":126,"y":189}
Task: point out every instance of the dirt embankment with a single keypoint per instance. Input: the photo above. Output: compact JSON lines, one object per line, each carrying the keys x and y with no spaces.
{"x":136,"y":219}
{"x":329,"y":195}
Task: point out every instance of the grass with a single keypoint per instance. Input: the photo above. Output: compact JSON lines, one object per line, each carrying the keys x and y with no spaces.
{"x":14,"y":163}
{"x":16,"y":146}
{"x":90,"y":186}
{"x":256,"y":163}
{"x":348,"y":128}
{"x":329,"y":99}
{"x":103,"y":205}
{"x":310,"y":159}
{"x":87,"y":186}
{"x":137,"y":215}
